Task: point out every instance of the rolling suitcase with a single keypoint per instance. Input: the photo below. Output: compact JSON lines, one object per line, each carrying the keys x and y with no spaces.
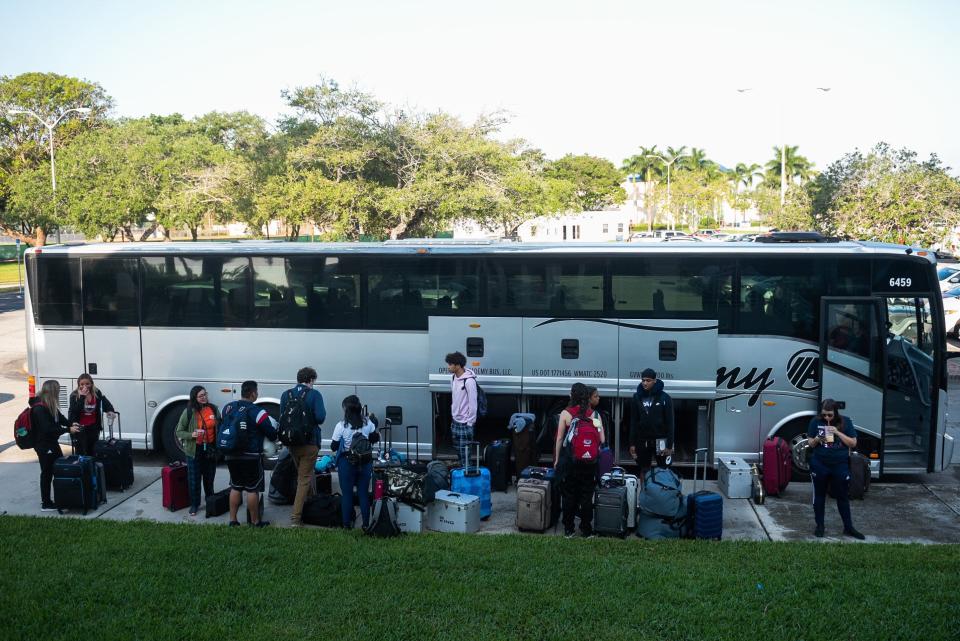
{"x":859,"y":475}
{"x":546,"y":474}
{"x":176,"y":493}
{"x":101,"y":483}
{"x":75,"y":483}
{"x":218,"y":503}
{"x":412,"y":461}
{"x":474,"y":481}
{"x":496,"y":458}
{"x":610,"y":511}
{"x":619,"y":476}
{"x":777,"y":465}
{"x":704,"y":508}
{"x":523,"y":441}
{"x":533,"y":505}
{"x":116,"y":454}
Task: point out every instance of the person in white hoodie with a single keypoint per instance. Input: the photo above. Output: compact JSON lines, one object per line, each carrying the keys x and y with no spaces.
{"x":463,"y":409}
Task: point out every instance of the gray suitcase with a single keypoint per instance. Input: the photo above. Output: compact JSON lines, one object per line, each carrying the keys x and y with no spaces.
{"x":454,"y":512}
{"x":610,"y":511}
{"x":619,"y":476}
{"x":533,"y":505}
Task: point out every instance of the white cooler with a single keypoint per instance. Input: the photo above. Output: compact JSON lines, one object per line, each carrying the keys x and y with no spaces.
{"x":735,"y":478}
{"x":454,"y":512}
{"x":410,"y":519}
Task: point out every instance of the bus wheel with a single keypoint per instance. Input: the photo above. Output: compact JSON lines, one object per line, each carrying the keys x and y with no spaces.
{"x":168,"y":428}
{"x":794,"y":434}
{"x":270,"y":457}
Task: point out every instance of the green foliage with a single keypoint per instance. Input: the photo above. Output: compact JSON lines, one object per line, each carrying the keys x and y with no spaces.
{"x":597,"y":182}
{"x":796,"y":213}
{"x":797,"y":167}
{"x":887,"y":195}
{"x":162,"y":581}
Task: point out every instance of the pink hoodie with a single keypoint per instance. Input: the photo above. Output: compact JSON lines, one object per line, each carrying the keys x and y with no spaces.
{"x":464,"y":405}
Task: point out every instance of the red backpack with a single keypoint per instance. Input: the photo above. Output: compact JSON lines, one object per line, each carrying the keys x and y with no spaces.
{"x":23,"y":432}
{"x":585,"y":442}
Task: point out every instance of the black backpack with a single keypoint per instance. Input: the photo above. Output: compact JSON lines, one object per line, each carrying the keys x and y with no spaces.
{"x":361,"y":451}
{"x":384,"y":519}
{"x":296,"y":424}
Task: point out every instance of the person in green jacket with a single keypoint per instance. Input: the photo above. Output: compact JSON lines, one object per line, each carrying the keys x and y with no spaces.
{"x":197,"y":431}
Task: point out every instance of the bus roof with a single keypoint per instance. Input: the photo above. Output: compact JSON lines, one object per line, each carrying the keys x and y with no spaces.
{"x":441,"y":247}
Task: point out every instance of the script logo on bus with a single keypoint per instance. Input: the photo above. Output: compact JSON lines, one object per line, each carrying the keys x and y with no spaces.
{"x":803,"y":370}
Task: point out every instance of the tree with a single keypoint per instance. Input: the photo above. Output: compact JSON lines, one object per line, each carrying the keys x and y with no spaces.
{"x":744,"y":174}
{"x":645,"y":164}
{"x":798,"y":168}
{"x":796,"y":213}
{"x":597,"y":182}
{"x":887,"y":195}
{"x":24,"y":144}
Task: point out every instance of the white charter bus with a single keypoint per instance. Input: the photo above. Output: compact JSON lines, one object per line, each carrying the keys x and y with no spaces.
{"x":747,"y":337}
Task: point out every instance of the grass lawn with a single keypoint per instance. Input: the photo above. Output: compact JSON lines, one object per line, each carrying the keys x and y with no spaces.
{"x":76,"y":579}
{"x":8,"y":273}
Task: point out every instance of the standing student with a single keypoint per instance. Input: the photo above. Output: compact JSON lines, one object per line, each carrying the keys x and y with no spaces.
{"x":305,"y":456}
{"x":197,"y":431}
{"x":87,"y":407}
{"x":578,"y":478}
{"x":651,"y":422}
{"x":48,"y":424}
{"x":246,"y":467}
{"x":353,"y":473}
{"x":832,"y":437}
{"x":463,"y":406}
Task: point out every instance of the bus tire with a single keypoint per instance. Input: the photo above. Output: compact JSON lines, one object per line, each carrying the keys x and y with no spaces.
{"x":269,"y":462}
{"x":168,"y":427}
{"x":792,"y":433}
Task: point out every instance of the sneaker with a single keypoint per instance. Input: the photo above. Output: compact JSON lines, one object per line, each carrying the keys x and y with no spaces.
{"x":193,"y":512}
{"x":48,"y":508}
{"x":818,"y":532}
{"x":587,"y":534}
{"x":851,"y":532}
{"x":234,"y":523}
{"x":590,"y":536}
{"x":569,"y":533}
{"x":261,"y":524}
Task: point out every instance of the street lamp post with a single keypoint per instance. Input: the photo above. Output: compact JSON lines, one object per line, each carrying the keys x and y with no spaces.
{"x":668,"y":164}
{"x":783,"y":148}
{"x":51,"y":125}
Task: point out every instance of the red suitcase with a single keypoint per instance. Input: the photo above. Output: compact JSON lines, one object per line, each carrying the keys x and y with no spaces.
{"x":176,"y":494}
{"x":777,"y":465}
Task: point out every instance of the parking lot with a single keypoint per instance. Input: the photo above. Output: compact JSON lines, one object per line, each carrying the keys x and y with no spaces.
{"x":922,"y":509}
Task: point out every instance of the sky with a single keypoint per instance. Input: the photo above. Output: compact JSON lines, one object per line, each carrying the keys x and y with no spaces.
{"x":602,"y":77}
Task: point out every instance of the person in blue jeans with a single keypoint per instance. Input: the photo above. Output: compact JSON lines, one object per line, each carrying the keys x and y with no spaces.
{"x":353,"y":474}
{"x":831,"y":438}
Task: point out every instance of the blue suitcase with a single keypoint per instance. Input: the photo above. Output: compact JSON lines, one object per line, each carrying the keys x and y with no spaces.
{"x":546,"y":474}
{"x":474,"y":480}
{"x":704,"y":508}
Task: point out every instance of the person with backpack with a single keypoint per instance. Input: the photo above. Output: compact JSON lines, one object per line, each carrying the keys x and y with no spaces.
{"x":831,"y":437}
{"x":463,"y":406}
{"x":47,"y":424}
{"x":197,"y":431}
{"x":575,"y":453}
{"x":240,"y":436}
{"x":651,"y":423}
{"x":301,"y":415}
{"x":87,"y":407}
{"x":352,"y":442}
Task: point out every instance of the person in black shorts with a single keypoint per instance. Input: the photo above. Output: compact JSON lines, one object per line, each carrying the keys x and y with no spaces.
{"x":651,"y":420}
{"x":246,"y":468}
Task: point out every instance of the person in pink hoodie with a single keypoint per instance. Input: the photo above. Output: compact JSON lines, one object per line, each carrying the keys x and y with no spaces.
{"x":463,"y":409}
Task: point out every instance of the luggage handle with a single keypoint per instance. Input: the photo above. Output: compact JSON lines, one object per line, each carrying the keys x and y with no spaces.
{"x":696,"y":457}
{"x":467,"y":469}
{"x":538,"y":473}
{"x":110,"y":424}
{"x":416,"y":433}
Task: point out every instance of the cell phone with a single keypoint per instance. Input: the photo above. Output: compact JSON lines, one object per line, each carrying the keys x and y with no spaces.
{"x":365,"y":412}
{"x":661,"y":444}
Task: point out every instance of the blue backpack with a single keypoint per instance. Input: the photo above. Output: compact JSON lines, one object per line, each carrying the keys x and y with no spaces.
{"x":234,"y":432}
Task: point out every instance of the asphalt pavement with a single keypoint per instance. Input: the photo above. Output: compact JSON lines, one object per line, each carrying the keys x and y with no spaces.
{"x":921,"y":509}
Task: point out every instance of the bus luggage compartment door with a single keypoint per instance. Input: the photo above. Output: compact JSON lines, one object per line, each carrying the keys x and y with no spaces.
{"x":558,"y":352}
{"x":682,"y":352}
{"x":492,"y":346}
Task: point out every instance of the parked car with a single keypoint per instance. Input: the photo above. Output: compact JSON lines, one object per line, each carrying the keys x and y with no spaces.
{"x":949,"y":276}
{"x":707,"y":234}
{"x":684,"y":238}
{"x":951,"y":316}
{"x":658,"y":235}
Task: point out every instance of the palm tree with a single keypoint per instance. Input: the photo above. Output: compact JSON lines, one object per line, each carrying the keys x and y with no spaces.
{"x":797,"y":168}
{"x":645,"y":164}
{"x":744,"y":174}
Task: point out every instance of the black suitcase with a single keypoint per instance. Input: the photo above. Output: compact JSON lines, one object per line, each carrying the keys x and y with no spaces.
{"x":859,"y":476}
{"x":74,"y":483}
{"x":496,"y":458}
{"x":413,"y":462}
{"x":218,"y":503}
{"x":610,"y":511}
{"x":524,"y":449}
{"x":101,"y":483}
{"x":322,"y":510}
{"x":116,"y":454}
{"x":323,"y":483}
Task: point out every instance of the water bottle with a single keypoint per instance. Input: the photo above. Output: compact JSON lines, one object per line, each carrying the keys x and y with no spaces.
{"x":378,"y":490}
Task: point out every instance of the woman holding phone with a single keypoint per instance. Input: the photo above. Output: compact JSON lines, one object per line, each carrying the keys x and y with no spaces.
{"x":831,"y":437}
{"x":87,"y":407}
{"x":197,"y":431}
